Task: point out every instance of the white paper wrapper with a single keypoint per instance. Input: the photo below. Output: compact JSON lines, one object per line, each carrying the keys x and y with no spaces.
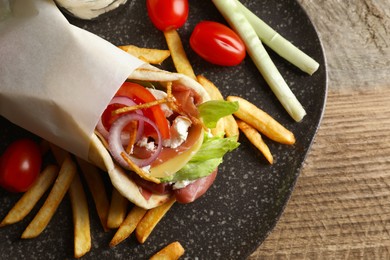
{"x":57,"y":79}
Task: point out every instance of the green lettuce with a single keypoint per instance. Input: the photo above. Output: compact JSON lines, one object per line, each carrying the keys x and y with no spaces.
{"x":211,"y":111}
{"x":206,"y":160}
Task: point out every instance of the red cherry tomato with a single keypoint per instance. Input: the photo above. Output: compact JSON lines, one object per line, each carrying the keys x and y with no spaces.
{"x":20,"y":165}
{"x":167,"y":14}
{"x":217,"y":44}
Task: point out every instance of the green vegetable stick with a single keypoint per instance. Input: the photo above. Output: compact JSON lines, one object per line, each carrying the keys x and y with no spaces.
{"x":278,"y":43}
{"x":230,"y":10}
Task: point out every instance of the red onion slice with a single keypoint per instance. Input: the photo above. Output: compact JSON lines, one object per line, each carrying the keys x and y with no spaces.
{"x":125,"y":137}
{"x":115,"y":142}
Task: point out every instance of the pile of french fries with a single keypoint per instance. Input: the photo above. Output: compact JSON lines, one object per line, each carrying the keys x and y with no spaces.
{"x":112,"y":215}
{"x":64,"y":176}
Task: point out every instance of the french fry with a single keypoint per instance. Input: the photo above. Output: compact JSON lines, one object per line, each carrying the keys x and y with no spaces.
{"x":178,"y":54}
{"x":214,"y":94}
{"x":262,"y":121}
{"x":227,"y":125}
{"x":128,"y":225}
{"x":81,"y":224}
{"x":118,"y":209}
{"x":152,"y":56}
{"x":231,"y":127}
{"x":96,"y":186}
{"x":151,"y":219}
{"x":210,"y":88}
{"x":57,"y":193}
{"x":255,"y":138}
{"x":29,"y":199}
{"x":173,"y":251}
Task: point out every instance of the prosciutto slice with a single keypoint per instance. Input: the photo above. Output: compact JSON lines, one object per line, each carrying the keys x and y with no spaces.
{"x":196,"y":189}
{"x":187,"y":194}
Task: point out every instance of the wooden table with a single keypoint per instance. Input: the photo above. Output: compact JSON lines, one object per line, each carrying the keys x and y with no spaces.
{"x":340,"y":208}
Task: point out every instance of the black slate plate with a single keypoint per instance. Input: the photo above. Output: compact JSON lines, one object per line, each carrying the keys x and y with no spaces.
{"x":249,"y":195}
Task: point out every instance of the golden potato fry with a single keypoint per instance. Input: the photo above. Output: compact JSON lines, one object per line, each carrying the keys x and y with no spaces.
{"x":151,"y":219}
{"x":231,"y":127}
{"x":152,"y":56}
{"x":81,"y":224}
{"x":255,"y":138}
{"x":263,"y":122}
{"x":178,"y":54}
{"x":227,"y":125}
{"x":96,"y":186}
{"x":57,"y":193}
{"x":118,"y":209}
{"x":29,"y":199}
{"x":82,"y":233}
{"x":214,"y":94}
{"x":128,"y":225}
{"x":210,"y":88}
{"x":173,"y":251}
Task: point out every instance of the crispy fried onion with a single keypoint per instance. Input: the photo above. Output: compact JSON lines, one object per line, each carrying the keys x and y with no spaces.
{"x":169,"y":99}
{"x":138,"y":170}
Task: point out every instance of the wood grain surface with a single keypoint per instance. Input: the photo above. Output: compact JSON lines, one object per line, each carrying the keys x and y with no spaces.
{"x":340,"y":208}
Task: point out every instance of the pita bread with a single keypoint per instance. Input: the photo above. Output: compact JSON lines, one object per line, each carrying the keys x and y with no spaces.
{"x":101,"y":157}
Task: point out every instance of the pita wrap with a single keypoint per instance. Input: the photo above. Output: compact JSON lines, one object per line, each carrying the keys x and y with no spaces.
{"x":101,"y":157}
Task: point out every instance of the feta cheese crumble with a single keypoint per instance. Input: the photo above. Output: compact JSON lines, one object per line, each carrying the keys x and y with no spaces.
{"x":178,"y":131}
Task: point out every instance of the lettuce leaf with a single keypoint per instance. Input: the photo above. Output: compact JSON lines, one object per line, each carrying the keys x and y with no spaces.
{"x":206,"y":160}
{"x":211,"y":111}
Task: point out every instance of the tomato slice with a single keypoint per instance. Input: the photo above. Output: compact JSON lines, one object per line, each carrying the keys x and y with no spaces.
{"x":141,"y":95}
{"x":167,"y":14}
{"x":217,"y":44}
{"x":107,"y":117}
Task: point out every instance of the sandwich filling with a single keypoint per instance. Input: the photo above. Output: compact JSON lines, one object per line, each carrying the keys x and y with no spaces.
{"x":159,"y":132}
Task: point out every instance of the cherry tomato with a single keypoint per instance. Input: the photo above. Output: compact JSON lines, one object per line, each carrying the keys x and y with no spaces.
{"x":141,"y":95}
{"x":217,"y":44}
{"x":20,"y":165}
{"x":167,"y":14}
